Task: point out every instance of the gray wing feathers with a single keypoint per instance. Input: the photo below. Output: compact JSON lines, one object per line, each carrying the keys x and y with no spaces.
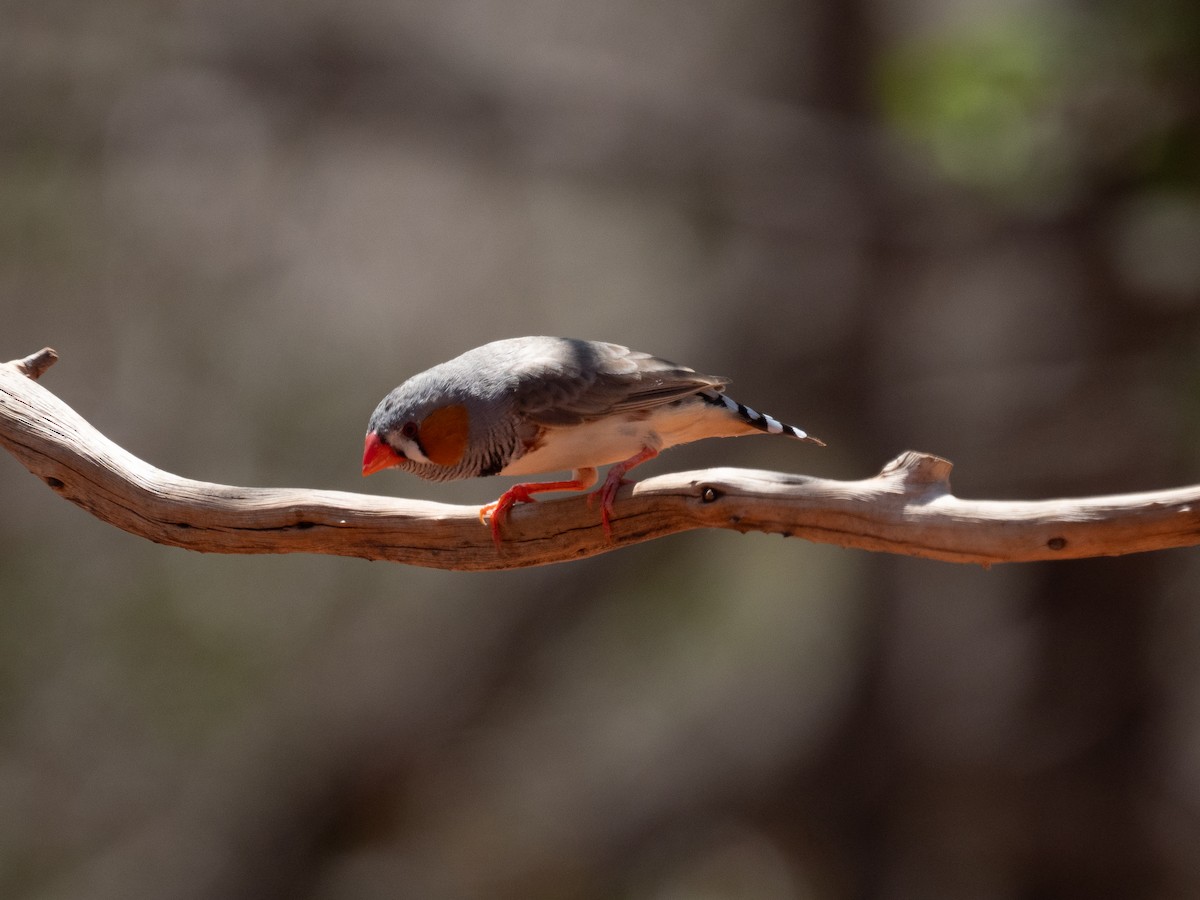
{"x":566,"y":382}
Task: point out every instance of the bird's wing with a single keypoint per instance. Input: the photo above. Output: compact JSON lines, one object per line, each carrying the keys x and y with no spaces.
{"x":569,"y":382}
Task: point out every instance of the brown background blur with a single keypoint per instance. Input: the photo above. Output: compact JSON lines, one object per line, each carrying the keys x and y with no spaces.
{"x":970,"y":229}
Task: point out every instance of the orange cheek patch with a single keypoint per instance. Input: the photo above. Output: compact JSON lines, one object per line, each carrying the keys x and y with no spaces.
{"x":443,"y":435}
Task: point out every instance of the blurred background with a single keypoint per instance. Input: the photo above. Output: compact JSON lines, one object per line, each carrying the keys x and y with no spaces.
{"x":964,"y":228}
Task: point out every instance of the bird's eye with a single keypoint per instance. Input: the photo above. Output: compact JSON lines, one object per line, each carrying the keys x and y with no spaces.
{"x":409,"y":430}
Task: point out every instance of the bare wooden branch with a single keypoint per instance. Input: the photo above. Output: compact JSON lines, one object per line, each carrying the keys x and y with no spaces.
{"x":907,"y":508}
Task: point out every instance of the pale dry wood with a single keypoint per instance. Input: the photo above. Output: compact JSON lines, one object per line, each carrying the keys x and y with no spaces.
{"x":906,"y":509}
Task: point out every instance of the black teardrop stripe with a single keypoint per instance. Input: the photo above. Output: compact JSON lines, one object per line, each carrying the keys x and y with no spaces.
{"x":764,"y":423}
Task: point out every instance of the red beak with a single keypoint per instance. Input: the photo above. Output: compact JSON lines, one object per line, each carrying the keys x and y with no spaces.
{"x":378,"y":455}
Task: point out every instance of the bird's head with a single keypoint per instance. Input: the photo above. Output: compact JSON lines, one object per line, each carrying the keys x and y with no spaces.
{"x":415,"y":437}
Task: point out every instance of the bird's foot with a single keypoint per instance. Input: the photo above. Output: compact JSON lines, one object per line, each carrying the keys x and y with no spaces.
{"x":613,"y":482}
{"x":496,"y":512}
{"x":607,"y":494}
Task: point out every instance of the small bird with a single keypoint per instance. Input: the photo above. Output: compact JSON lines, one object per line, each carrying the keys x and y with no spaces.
{"x":532,"y":405}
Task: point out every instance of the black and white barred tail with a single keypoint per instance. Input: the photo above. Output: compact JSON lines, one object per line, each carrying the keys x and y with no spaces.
{"x":763,"y":422}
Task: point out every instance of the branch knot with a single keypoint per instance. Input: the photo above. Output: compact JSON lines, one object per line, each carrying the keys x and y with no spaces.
{"x":35,"y":364}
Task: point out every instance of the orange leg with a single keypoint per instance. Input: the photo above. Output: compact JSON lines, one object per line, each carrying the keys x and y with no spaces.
{"x":613,"y":482}
{"x":498,"y":509}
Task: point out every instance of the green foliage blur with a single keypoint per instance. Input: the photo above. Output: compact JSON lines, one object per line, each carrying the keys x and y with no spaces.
{"x":1043,"y":109}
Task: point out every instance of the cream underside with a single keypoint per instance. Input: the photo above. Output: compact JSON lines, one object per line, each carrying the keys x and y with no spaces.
{"x":613,"y":440}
